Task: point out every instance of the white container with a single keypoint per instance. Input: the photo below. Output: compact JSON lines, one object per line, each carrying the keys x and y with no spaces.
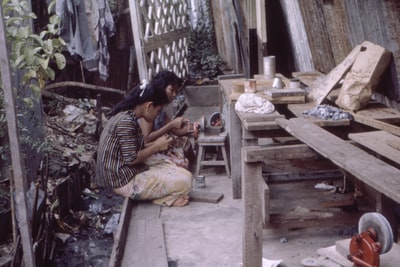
{"x":269,"y":63}
{"x":277,"y":83}
{"x":294,"y":83}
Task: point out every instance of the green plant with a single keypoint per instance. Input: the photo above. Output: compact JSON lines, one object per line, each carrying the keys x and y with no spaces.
{"x":30,"y":56}
{"x":29,"y":52}
{"x":203,"y":58}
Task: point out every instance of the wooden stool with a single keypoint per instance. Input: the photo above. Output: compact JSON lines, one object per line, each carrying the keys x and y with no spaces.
{"x":217,"y":141}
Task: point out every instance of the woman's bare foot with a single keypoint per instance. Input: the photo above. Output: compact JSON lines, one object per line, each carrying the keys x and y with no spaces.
{"x":181,"y":201}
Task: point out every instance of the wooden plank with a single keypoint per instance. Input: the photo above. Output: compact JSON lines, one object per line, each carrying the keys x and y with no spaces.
{"x":252,"y":212}
{"x":336,"y":25}
{"x":380,"y":142}
{"x":254,"y":117}
{"x":390,"y":128}
{"x":145,"y":244}
{"x":258,"y":126}
{"x":309,"y":77}
{"x":20,"y":177}
{"x":277,"y":93}
{"x":298,"y":109}
{"x":317,"y":35}
{"x":321,"y":91}
{"x":374,"y":172}
{"x":286,"y":99}
{"x":205,"y":196}
{"x":121,"y":233}
{"x":379,"y":111}
{"x":286,"y":152}
{"x":315,"y":219}
{"x":147,"y":248}
{"x":265,"y":196}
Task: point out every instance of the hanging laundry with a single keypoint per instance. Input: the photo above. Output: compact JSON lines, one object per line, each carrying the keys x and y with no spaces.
{"x":85,"y":27}
{"x":107,"y":29}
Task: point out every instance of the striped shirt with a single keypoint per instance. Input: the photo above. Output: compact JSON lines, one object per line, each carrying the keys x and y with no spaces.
{"x":118,"y":147}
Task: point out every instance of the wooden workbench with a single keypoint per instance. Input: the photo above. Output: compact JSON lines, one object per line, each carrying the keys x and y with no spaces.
{"x":243,"y":128}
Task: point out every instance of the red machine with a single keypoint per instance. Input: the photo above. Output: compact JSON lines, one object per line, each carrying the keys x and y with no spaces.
{"x":375,"y":237}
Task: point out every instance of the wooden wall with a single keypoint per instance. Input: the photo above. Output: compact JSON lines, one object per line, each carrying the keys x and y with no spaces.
{"x":316,"y":35}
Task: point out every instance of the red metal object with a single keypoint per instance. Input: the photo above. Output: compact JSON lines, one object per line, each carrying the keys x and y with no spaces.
{"x":364,"y":250}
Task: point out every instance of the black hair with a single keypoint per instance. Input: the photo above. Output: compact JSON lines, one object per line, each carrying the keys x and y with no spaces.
{"x":166,"y":77}
{"x":154,"y":91}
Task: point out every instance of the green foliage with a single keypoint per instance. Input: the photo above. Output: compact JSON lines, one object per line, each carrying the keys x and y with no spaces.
{"x":31,"y":52}
{"x":30,"y":56}
{"x":203,"y":58}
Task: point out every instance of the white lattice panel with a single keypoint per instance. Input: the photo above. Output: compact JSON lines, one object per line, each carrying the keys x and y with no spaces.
{"x":160,"y":29}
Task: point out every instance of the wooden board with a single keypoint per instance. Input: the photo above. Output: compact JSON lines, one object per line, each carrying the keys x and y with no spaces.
{"x":377,"y":124}
{"x":205,"y":196}
{"x":120,"y":235}
{"x":298,"y":109}
{"x":259,"y":126}
{"x":286,"y":99}
{"x":380,"y":142}
{"x":321,"y":91}
{"x":254,"y":117}
{"x":308,"y":78}
{"x":145,"y":244}
{"x":277,"y":93}
{"x":380,"y":112}
{"x":374,"y":172}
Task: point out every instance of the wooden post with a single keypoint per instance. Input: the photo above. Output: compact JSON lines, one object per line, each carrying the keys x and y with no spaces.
{"x":17,"y":159}
{"x":261,"y":33}
{"x":252,"y":222}
{"x":253,"y":38}
{"x":136,"y":26}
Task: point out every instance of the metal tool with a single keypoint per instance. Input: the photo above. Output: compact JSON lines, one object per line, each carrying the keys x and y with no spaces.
{"x":375,"y":237}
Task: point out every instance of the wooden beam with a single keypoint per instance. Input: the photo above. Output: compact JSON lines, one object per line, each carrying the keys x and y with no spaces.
{"x":370,"y":170}
{"x":285,"y":152}
{"x":379,"y":142}
{"x":252,"y":226}
{"x":145,"y":243}
{"x":136,"y":26}
{"x":325,"y":86}
{"x":261,"y":33}
{"x":390,"y":128}
{"x":121,"y":233}
{"x":17,"y":158}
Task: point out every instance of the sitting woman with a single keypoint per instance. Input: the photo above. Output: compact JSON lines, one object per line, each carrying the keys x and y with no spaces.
{"x":129,"y":166}
{"x":180,"y":151}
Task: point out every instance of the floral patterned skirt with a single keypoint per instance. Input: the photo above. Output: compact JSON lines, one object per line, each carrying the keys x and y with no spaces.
{"x":163,"y":182}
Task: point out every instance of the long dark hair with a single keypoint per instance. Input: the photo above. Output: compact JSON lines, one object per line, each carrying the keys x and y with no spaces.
{"x":154,"y":91}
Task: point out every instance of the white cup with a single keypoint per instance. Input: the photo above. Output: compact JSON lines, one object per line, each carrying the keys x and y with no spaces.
{"x":277,"y":83}
{"x":294,"y":83}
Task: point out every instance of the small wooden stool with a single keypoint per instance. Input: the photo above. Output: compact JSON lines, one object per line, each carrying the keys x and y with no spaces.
{"x":218,"y":141}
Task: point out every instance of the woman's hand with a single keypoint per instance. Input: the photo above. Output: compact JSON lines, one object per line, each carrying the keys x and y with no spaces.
{"x":163,"y":142}
{"x":179,"y":123}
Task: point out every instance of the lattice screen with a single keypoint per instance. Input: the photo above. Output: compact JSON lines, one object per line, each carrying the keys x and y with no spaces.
{"x":160,"y":29}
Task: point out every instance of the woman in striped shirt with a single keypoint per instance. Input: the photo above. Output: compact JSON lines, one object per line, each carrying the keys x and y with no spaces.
{"x":129,"y":166}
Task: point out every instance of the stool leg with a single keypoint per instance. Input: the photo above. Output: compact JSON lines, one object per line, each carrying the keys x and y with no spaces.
{"x":200,"y":155}
{"x":226,"y":161}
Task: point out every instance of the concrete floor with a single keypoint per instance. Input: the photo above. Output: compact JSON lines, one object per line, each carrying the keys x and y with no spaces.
{"x":210,"y":234}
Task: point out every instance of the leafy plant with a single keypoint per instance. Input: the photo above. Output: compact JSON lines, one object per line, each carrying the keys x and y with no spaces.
{"x":203,"y":58}
{"x":31,"y":52}
{"x":30,"y":56}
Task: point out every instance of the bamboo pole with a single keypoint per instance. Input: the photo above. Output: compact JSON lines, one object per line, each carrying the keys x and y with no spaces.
{"x":19,"y":177}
